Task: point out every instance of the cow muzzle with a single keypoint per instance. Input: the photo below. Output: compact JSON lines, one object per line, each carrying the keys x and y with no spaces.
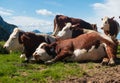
{"x":102,"y":27}
{"x":36,"y":56}
{"x":6,"y":47}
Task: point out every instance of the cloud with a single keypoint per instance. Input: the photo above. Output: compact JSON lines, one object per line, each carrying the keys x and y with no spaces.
{"x":45,"y":12}
{"x":107,"y":8}
{"x":31,"y":23}
{"x":6,"y":12}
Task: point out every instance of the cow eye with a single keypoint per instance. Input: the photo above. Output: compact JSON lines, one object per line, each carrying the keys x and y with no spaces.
{"x":106,"y":22}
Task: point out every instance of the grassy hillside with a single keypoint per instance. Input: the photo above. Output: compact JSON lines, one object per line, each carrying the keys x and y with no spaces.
{"x":13,"y":70}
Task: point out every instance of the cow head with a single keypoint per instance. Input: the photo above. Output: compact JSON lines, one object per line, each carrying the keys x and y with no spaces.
{"x":13,"y":41}
{"x":66,"y":32}
{"x":40,"y":54}
{"x":106,"y":23}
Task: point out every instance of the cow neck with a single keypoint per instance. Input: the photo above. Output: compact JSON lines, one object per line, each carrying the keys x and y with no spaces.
{"x":51,"y":51}
{"x":19,"y":37}
{"x":113,"y":26}
{"x":47,"y":39}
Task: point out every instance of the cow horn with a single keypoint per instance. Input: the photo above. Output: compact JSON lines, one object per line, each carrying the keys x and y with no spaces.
{"x":112,"y":17}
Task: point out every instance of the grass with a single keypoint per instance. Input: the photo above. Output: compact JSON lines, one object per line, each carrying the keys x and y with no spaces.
{"x":13,"y":70}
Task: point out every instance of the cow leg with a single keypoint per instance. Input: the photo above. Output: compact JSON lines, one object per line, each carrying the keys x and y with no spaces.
{"x":111,"y":55}
{"x":105,"y":61}
{"x":59,"y":57}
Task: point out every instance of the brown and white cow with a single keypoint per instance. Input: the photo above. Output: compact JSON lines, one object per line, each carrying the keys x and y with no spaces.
{"x":91,"y":46}
{"x":26,"y":40}
{"x":110,"y":27}
{"x":61,"y":20}
{"x":13,"y":43}
{"x":71,"y":31}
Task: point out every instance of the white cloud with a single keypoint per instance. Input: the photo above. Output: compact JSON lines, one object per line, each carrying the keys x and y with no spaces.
{"x":45,"y":12}
{"x":5,"y":12}
{"x":108,"y":8}
{"x":31,"y":23}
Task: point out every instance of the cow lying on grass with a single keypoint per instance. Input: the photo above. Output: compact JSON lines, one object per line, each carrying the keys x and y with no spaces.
{"x":61,"y":20}
{"x":91,"y":46}
{"x":72,"y":31}
{"x":26,"y":42}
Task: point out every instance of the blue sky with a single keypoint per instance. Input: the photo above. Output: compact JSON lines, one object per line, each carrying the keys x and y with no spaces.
{"x":39,"y":14}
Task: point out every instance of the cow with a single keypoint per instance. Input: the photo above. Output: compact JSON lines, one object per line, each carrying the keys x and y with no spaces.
{"x":61,"y":20}
{"x":13,"y":43}
{"x":110,"y":27}
{"x":28,"y":41}
{"x":90,"y":46}
{"x":71,"y":31}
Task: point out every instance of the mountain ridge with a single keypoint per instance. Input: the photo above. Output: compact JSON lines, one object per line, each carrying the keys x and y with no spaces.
{"x":5,"y":29}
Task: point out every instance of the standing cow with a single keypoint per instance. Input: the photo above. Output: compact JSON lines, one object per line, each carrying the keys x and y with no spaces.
{"x":61,"y":20}
{"x":110,"y":27}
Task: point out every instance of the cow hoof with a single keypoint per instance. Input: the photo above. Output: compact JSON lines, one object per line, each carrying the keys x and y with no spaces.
{"x":49,"y":62}
{"x":105,"y":61}
{"x":111,"y":62}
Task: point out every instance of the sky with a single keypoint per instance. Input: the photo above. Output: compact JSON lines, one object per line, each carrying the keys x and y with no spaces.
{"x":39,"y":14}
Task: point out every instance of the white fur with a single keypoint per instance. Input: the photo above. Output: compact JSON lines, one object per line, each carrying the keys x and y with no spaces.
{"x":42,"y":53}
{"x":22,"y":56}
{"x":105,"y":23}
{"x":106,"y":37}
{"x":88,"y":31}
{"x":94,"y":54}
{"x":13,"y":43}
{"x":65,"y":33}
{"x":77,"y":52}
{"x":92,"y":48}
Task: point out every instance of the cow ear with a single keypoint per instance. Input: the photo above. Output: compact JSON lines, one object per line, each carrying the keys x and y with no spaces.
{"x":24,"y":38}
{"x":72,"y":27}
{"x":53,"y":45}
{"x":20,"y":37}
{"x":112,"y":18}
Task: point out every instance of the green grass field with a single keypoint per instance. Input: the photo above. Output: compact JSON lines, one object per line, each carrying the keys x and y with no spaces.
{"x":13,"y":70}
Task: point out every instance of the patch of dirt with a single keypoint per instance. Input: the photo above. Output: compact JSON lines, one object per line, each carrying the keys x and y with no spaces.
{"x":97,"y":74}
